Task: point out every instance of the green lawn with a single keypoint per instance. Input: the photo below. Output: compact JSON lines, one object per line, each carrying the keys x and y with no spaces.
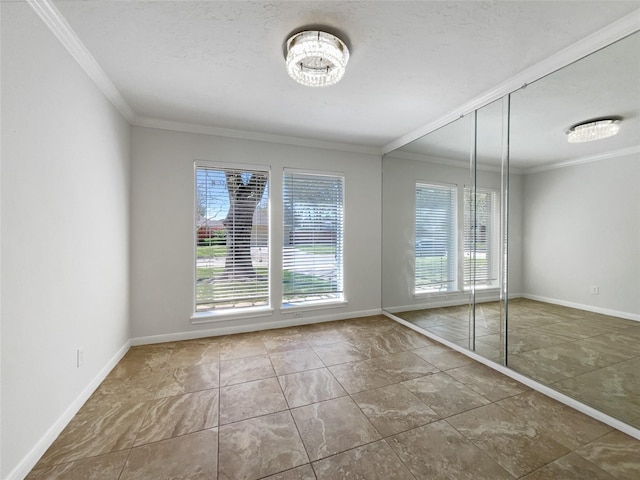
{"x":212,"y":251}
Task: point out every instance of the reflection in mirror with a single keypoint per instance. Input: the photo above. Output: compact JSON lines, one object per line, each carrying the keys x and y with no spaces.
{"x":483,"y":233}
{"x":575,"y":266}
{"x":572,"y":316}
{"x":442,"y":232}
{"x":423,"y":258}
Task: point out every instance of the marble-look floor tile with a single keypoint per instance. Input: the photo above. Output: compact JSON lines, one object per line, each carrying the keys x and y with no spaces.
{"x":189,"y":379}
{"x":332,"y":427}
{"x":569,"y":467}
{"x":531,"y":339}
{"x":442,"y":357}
{"x":245,"y":369}
{"x":179,"y":415}
{"x":103,"y":467}
{"x":573,"y":329}
{"x":438,"y":452}
{"x":614,"y":390}
{"x":375,"y":345}
{"x":487,"y":382}
{"x":337,"y":353}
{"x":283,"y":340}
{"x":315,"y":337}
{"x":142,"y":359}
{"x":394,"y":409}
{"x":305,"y":472}
{"x":293,"y":361}
{"x":134,"y":389}
{"x":188,"y":354}
{"x":445,"y":395}
{"x":555,"y":363}
{"x":614,"y":344}
{"x":616,"y":453}
{"x":375,"y":461}
{"x":251,"y":399}
{"x":187,"y":457}
{"x":260,"y":447}
{"x":560,"y":422}
{"x":240,"y":346}
{"x":88,"y":436}
{"x":510,"y":441}
{"x":404,"y":366}
{"x":310,"y":386}
{"x":358,"y":376}
{"x":450,"y":332}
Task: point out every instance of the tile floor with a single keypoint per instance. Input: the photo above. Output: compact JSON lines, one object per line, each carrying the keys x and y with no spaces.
{"x":588,"y":356}
{"x":360,"y":399}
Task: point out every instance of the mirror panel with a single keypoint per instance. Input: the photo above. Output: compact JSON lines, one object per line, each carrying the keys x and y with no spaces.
{"x":423,"y":199}
{"x":577,"y":275}
{"x":569,"y":315}
{"x":483,"y":232}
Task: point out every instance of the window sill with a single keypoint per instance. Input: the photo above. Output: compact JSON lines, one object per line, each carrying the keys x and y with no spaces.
{"x":320,"y":305}
{"x":485,"y":289}
{"x":450,"y":293}
{"x":230,"y":314}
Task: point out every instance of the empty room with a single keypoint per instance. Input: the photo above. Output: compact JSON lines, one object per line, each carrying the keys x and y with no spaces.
{"x":319,"y":240}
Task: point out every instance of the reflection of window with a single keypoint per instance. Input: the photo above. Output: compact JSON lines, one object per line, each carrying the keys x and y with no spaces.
{"x":232,"y":237}
{"x":435,"y":246}
{"x":312,"y":250}
{"x":481,"y":263}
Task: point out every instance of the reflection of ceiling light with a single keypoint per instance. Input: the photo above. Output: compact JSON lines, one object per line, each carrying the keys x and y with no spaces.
{"x":590,"y":131}
{"x":316,"y":59}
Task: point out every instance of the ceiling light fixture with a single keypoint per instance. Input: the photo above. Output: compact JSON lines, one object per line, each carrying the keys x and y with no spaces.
{"x":593,"y":130}
{"x":316,"y":59}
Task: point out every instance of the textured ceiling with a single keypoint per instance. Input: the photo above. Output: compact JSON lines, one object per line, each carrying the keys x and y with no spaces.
{"x":605,"y":83}
{"x":220,"y":64}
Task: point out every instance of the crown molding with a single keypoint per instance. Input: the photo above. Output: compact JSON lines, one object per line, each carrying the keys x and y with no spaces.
{"x":448,"y":162}
{"x":255,"y":136}
{"x":53,"y":19}
{"x":622,"y":152}
{"x":617,"y":30}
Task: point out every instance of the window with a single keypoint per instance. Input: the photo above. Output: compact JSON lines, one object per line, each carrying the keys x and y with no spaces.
{"x":481,"y":262}
{"x":312,"y":251}
{"x":232,"y":238}
{"x":435,"y":245}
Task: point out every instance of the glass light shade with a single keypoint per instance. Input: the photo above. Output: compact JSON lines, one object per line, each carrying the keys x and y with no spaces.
{"x":316,"y":59}
{"x":588,"y":132}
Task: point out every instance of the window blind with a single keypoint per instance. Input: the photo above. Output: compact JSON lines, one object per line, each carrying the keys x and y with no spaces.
{"x":232,"y":238}
{"x":435,"y":246}
{"x":481,"y":220}
{"x":313,"y":237}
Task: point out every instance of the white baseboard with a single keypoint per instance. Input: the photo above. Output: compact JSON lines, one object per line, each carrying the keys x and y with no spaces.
{"x":29,"y":461}
{"x":544,"y":389}
{"x":251,"y":327}
{"x":582,"y":306}
{"x":444,"y":301}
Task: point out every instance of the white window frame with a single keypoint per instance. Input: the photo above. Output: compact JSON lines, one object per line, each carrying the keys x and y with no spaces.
{"x":451,"y":242}
{"x":340,"y":298}
{"x":492,"y":240}
{"x":207,"y":316}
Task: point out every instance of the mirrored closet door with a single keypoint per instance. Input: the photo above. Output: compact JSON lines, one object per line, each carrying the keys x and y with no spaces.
{"x":502,"y":237}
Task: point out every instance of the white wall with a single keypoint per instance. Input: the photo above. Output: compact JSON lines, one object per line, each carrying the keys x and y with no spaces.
{"x":162,"y":274}
{"x":398,"y":212}
{"x":582,"y":229}
{"x":65,"y":227}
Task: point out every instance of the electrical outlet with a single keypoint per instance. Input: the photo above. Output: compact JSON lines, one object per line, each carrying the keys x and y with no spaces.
{"x":595,"y":290}
{"x":79,"y":356}
{"x":297,"y":314}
